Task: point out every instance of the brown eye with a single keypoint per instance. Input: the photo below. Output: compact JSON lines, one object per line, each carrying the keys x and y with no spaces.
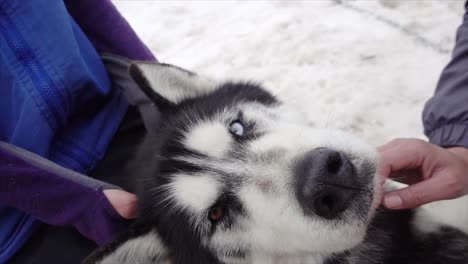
{"x":216,"y":213}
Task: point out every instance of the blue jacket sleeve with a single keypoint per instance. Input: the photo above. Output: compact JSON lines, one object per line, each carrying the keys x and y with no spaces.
{"x":445,"y":115}
{"x":58,"y":102}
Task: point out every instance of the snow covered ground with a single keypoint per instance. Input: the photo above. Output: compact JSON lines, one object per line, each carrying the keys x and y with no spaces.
{"x":365,"y":66}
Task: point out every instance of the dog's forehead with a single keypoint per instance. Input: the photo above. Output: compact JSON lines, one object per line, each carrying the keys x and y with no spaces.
{"x":228,"y":95}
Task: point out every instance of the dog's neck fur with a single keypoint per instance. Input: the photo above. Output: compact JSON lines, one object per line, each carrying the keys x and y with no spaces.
{"x":393,"y":238}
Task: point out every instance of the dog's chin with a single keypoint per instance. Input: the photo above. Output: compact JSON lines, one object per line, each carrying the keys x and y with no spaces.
{"x":339,"y":236}
{"x":347,"y":238}
{"x":351,"y":229}
{"x":343,"y":237}
{"x":354,"y":234}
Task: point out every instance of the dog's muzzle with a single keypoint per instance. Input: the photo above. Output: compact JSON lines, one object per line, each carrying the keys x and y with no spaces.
{"x":326,"y":182}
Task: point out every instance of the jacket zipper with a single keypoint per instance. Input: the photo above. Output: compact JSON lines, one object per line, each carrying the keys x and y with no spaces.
{"x":34,"y":69}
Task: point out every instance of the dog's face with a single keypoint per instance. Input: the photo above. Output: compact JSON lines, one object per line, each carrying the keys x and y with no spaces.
{"x":240,"y":177}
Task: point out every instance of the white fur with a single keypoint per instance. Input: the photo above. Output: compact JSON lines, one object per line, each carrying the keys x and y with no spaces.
{"x":391,"y":185}
{"x":140,"y":250}
{"x":453,"y":213}
{"x":194,"y":192}
{"x":281,"y":259}
{"x":210,"y":138}
{"x":275,"y":259}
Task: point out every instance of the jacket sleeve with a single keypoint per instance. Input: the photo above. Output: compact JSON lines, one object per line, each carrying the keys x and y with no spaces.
{"x":107,"y":30}
{"x":56,"y":195}
{"x":445,"y":115}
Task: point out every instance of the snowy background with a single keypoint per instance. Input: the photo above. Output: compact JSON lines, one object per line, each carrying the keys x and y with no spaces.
{"x":365,"y":66}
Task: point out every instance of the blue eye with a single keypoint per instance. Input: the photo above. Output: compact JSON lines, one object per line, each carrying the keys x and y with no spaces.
{"x":237,"y":128}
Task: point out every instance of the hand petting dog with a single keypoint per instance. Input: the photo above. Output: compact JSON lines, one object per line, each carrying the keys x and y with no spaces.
{"x":432,"y":172}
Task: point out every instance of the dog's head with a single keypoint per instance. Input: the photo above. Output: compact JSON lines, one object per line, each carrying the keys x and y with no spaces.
{"x":233,"y":175}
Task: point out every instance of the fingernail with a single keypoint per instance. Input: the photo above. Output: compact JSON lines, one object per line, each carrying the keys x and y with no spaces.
{"x":393,"y":201}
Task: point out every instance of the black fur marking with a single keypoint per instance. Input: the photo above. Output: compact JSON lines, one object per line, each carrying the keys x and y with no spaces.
{"x":226,"y":96}
{"x":391,"y":239}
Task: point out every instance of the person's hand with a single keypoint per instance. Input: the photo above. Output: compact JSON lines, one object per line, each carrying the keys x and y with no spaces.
{"x":124,"y":203}
{"x":434,"y":173}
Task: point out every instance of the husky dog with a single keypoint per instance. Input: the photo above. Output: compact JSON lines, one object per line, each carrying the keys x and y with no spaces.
{"x":232,"y":175}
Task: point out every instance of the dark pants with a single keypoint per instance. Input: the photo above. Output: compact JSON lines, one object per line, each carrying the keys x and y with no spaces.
{"x":64,"y":245}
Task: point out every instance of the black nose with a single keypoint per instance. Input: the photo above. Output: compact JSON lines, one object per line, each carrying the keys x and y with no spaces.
{"x":325,"y":182}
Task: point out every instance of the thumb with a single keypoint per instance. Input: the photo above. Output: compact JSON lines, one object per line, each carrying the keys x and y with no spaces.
{"x":124,"y":203}
{"x":418,"y":194}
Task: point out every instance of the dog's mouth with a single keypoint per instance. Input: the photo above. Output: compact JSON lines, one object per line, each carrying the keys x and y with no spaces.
{"x":355,"y":188}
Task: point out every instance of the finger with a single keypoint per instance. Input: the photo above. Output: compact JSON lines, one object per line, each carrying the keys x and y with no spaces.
{"x":403,"y":154}
{"x":124,"y":203}
{"x":407,"y":176}
{"x":385,"y":147}
{"x":432,"y":189}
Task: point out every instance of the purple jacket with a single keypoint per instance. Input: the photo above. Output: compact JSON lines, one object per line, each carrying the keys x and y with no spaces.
{"x":49,"y":70}
{"x":445,"y":115}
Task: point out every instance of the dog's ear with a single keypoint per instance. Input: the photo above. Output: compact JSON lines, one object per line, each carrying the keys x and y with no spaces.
{"x":168,"y":85}
{"x":134,"y":246}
